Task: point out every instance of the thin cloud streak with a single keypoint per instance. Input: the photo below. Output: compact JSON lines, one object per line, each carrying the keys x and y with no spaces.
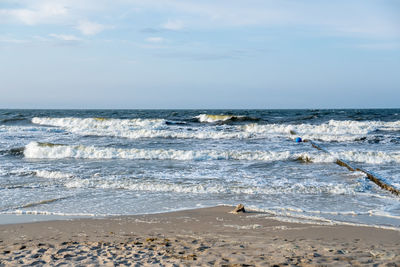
{"x":364,"y":19}
{"x":173,"y":25}
{"x":42,"y":12}
{"x":90,"y":28}
{"x":361,"y":18}
{"x":65,"y":37}
{"x":155,"y":39}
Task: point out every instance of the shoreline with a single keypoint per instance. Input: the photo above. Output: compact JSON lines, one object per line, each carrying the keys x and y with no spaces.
{"x":10,"y":219}
{"x":204,"y":236}
{"x":33,"y":217}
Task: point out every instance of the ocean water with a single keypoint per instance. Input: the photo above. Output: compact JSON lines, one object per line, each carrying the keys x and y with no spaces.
{"x":123,"y":162}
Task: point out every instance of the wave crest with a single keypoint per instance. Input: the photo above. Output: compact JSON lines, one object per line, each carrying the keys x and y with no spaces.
{"x":99,"y":123}
{"x":331,"y":131}
{"x":36,"y":150}
{"x":223,"y":118}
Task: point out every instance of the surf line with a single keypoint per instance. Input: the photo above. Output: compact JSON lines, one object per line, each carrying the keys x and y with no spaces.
{"x":34,"y":204}
{"x":371,"y":176}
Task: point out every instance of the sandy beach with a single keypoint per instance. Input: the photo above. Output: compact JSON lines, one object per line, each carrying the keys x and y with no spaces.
{"x":201,"y":237}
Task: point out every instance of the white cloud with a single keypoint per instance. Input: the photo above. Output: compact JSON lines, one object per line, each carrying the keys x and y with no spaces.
{"x":155,"y":39}
{"x":24,"y":16}
{"x":173,"y":25}
{"x":358,"y":18}
{"x":90,"y":28}
{"x":65,"y":37}
{"x":40,"y":12}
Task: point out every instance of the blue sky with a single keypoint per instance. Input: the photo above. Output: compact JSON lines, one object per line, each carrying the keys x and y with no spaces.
{"x":199,"y":54}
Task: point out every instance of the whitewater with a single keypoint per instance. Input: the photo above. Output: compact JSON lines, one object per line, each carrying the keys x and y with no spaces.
{"x":120,"y":162}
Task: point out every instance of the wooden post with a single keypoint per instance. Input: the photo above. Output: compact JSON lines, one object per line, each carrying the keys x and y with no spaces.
{"x":372,"y":177}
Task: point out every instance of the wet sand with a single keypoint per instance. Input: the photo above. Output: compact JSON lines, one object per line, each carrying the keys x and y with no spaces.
{"x":201,"y":237}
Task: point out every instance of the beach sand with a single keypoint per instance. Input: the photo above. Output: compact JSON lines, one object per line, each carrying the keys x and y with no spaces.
{"x":201,"y":237}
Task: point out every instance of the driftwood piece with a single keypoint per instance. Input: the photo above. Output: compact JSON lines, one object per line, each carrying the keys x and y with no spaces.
{"x":239,"y":208}
{"x":372,"y":177}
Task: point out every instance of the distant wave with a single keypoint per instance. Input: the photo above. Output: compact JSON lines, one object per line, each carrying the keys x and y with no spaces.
{"x":331,"y":131}
{"x":71,"y":122}
{"x":138,"y":128}
{"x":223,"y":118}
{"x":53,"y":151}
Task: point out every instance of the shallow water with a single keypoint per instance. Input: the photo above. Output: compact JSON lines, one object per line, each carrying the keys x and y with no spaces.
{"x":109,"y":162}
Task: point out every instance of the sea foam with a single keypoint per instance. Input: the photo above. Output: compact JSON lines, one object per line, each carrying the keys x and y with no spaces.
{"x":71,"y":122}
{"x":57,"y":151}
{"x":216,"y":188}
{"x":53,"y":174}
{"x":51,"y":151}
{"x":139,"y":128}
{"x":332,"y":130}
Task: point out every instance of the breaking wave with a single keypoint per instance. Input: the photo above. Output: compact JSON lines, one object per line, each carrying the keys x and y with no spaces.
{"x":223,"y":118}
{"x":71,"y":122}
{"x":331,"y":131}
{"x":51,"y":151}
{"x":57,"y":151}
{"x":138,"y":128}
{"x":211,"y":188}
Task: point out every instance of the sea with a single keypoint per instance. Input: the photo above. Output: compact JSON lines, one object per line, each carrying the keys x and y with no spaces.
{"x":96,"y":163}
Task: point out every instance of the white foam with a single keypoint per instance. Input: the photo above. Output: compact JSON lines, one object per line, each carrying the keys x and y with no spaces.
{"x":99,"y":123}
{"x":157,"y":128}
{"x":382,"y":213}
{"x":49,"y":151}
{"x":329,"y":131}
{"x":370,"y":157}
{"x":23,"y":131}
{"x":138,"y":128}
{"x":53,"y":174}
{"x":214,"y":188}
{"x":37,"y":150}
{"x":39,"y":212}
{"x":287,"y":214}
{"x":280,"y":216}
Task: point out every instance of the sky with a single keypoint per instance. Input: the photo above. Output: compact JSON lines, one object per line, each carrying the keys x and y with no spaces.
{"x":170,"y":54}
